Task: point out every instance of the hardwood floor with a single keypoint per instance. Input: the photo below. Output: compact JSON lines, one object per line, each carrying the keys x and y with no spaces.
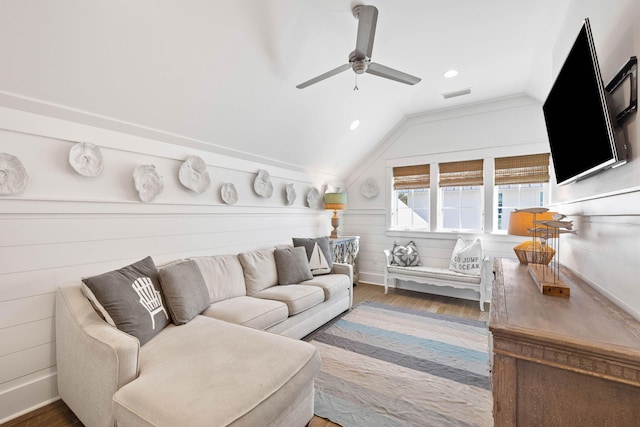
{"x":57,"y":414}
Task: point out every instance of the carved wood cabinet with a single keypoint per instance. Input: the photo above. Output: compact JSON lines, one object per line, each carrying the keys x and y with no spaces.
{"x":345,"y":250}
{"x":561,"y":361}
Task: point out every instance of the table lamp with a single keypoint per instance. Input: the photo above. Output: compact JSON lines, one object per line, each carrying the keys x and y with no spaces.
{"x":523,"y":222}
{"x":335,"y":202}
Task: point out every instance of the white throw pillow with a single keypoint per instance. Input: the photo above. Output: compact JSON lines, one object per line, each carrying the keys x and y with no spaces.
{"x":259,"y":269}
{"x":467,"y":258}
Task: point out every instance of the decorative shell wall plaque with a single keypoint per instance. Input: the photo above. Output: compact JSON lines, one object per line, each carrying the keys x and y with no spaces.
{"x":86,"y":159}
{"x":13,"y":175}
{"x":148,"y":182}
{"x":290,"y":194}
{"x":369,"y":188}
{"x":193,"y":174}
{"x":228,"y":193}
{"x":313,"y":198}
{"x":262,"y":184}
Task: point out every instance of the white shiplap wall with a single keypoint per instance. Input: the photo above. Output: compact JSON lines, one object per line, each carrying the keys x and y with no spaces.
{"x":502,"y":127}
{"x":65,"y":226}
{"x":605,"y":208}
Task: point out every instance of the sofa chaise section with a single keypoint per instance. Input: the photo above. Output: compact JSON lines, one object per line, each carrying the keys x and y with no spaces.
{"x":218,"y":373}
{"x":185,"y":373}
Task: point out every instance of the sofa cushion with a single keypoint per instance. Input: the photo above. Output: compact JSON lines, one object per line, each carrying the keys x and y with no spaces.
{"x":259,"y":269}
{"x":292,"y":265}
{"x":467,"y":257}
{"x":332,"y":284}
{"x":297,"y":297}
{"x":184,"y":290}
{"x":253,"y":312}
{"x":131,"y":296}
{"x":223,"y":275}
{"x":213,"y":373}
{"x":405,"y":255}
{"x":318,"y":254}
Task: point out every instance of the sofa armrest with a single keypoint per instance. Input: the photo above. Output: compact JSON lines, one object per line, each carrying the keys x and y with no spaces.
{"x":347,"y":269}
{"x":340,"y":268}
{"x":94,"y":359}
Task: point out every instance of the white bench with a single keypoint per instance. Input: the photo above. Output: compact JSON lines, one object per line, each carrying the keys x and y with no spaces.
{"x":439,"y":276}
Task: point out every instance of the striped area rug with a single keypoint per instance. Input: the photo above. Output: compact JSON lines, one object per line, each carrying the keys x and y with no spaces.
{"x":390,"y":366}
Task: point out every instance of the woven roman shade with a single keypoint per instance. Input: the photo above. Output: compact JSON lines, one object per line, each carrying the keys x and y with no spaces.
{"x":530,"y":169}
{"x":455,"y":174}
{"x":411,"y":177}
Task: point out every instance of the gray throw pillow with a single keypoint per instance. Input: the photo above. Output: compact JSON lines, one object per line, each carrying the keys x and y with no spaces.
{"x":405,"y":256}
{"x":184,"y":291}
{"x":318,"y":254}
{"x":131,"y":296}
{"x":292,"y":266}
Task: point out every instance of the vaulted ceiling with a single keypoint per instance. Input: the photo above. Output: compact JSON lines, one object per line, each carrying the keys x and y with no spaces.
{"x":222,"y":74}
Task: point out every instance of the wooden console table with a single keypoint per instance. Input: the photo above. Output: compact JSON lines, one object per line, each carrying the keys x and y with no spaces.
{"x":345,"y":250}
{"x":561,"y":361}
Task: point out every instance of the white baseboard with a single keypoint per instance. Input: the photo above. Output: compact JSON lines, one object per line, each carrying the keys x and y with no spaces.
{"x":28,"y":394}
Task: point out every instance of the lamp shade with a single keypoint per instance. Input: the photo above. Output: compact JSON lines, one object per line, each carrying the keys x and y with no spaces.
{"x":522,"y":223}
{"x":335,"y":201}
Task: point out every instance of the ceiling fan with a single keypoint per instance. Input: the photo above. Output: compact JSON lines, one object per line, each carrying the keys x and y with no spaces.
{"x":360,"y":58}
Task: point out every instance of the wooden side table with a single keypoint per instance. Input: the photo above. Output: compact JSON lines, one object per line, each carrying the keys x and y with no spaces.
{"x":345,"y":250}
{"x":561,"y":361}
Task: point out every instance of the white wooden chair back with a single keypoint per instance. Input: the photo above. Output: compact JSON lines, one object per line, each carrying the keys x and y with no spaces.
{"x":149,"y":298}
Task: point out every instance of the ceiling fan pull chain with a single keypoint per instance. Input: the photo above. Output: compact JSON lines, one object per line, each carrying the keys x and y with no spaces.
{"x":356,"y":86}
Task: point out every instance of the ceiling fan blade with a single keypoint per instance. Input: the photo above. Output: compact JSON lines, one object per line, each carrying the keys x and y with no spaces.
{"x":367,"y":19}
{"x":324,"y":76}
{"x":390,"y":73}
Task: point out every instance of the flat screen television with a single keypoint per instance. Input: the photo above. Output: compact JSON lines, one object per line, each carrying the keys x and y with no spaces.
{"x":584,"y":135}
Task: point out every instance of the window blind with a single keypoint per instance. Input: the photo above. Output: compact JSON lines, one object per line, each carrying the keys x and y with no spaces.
{"x":527,"y":169}
{"x":455,"y":174}
{"x":411,"y":177}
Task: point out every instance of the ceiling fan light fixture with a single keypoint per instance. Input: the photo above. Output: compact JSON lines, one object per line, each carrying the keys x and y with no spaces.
{"x":360,"y":58}
{"x":360,"y":66}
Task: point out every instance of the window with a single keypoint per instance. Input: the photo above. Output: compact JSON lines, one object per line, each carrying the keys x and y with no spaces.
{"x":461,"y":195}
{"x":411,"y":204}
{"x":521,"y":182}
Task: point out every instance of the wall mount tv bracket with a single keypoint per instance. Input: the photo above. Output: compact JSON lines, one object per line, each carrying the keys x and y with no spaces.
{"x":628,"y":71}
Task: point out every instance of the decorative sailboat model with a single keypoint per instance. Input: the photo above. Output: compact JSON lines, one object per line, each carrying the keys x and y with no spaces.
{"x":547,"y":275}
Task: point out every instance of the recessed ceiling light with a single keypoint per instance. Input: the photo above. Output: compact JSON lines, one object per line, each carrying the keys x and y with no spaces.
{"x":450,"y":73}
{"x":354,"y":125}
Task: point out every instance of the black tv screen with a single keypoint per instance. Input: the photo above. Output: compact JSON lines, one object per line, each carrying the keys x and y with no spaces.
{"x":584,"y":137}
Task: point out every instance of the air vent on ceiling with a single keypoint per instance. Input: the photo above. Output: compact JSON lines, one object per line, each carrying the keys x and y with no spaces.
{"x":448,"y":95}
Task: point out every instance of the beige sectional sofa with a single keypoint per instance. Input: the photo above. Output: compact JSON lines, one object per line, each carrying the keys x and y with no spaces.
{"x":224,"y":348}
